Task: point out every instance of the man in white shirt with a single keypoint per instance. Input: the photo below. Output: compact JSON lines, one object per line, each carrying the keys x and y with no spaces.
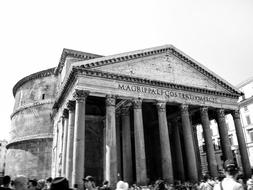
{"x":229,"y":182}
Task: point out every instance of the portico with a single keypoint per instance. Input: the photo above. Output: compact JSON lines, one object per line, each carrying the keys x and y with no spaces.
{"x":157,"y":95}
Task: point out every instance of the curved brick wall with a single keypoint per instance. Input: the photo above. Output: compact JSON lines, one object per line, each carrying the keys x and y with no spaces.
{"x":30,"y":147}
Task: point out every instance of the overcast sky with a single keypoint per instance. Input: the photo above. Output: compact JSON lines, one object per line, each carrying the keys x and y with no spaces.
{"x":217,"y":33}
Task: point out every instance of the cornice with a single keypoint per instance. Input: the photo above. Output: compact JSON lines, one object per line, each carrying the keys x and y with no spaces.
{"x":154,"y":51}
{"x":30,"y":106}
{"x":64,"y":88}
{"x":245,"y":82}
{"x":29,"y":138}
{"x":33,"y":76}
{"x":75,"y":54}
{"x":79,"y":70}
{"x":246,"y":102}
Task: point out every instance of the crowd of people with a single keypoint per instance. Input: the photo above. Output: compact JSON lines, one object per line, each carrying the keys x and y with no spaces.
{"x":229,"y":181}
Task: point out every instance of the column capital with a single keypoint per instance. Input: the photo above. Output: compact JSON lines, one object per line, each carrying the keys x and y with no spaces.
{"x":125,"y":110}
{"x":80,"y":95}
{"x":184,"y":108}
{"x":137,"y":103}
{"x":203,"y":109}
{"x":110,"y":100}
{"x":70,"y":105}
{"x":221,"y":112}
{"x":236,"y":114}
{"x":161,"y":106}
{"x":65,"y":113}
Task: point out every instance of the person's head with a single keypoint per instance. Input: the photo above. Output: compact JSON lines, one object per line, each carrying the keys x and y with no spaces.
{"x":41,"y":184}
{"x":32,"y":184}
{"x":160,"y":185}
{"x":206,"y":177}
{"x":231,"y":168}
{"x":89,"y":182}
{"x":20,"y":183}
{"x":59,"y":183}
{"x":121,"y":185}
{"x":48,"y":182}
{"x":6,"y":180}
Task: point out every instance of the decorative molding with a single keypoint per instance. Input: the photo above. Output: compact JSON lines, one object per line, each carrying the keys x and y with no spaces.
{"x":169,"y":50}
{"x":80,"y":95}
{"x":79,"y":70}
{"x":40,"y":74}
{"x":161,"y":106}
{"x":64,"y":88}
{"x":221,"y":113}
{"x":74,"y":54}
{"x":246,"y":102}
{"x":127,"y":78}
{"x":203,"y":110}
{"x":184,"y":109}
{"x":30,"y":137}
{"x":137,"y":103}
{"x":110,"y":100}
{"x":30,"y":106}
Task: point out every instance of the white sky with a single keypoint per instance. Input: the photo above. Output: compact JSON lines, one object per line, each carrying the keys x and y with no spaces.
{"x":217,"y":33}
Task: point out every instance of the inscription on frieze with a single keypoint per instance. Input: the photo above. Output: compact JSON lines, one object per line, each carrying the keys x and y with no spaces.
{"x":167,"y":93}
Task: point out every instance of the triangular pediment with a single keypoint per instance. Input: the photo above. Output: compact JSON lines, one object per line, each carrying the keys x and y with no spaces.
{"x":164,"y":63}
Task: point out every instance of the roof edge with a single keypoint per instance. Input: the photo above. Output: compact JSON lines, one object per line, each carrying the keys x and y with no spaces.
{"x":40,"y":74}
{"x":245,"y":82}
{"x":75,"y":54}
{"x":157,"y":50}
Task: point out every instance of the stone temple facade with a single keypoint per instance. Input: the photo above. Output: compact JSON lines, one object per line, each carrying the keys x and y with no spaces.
{"x":128,"y":116}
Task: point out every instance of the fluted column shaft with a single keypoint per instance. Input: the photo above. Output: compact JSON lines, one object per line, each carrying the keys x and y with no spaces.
{"x":167,"y":167}
{"x":189,"y":145}
{"x":242,"y":144}
{"x":126,"y":146}
{"x":65,"y":134}
{"x":223,"y":131}
{"x":111,"y":166}
{"x":79,"y":138}
{"x":179,"y":162}
{"x":140,"y":157}
{"x":70,"y":140}
{"x":212,"y":163}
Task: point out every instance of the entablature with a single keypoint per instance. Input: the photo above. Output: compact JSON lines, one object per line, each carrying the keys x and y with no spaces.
{"x":100,"y":82}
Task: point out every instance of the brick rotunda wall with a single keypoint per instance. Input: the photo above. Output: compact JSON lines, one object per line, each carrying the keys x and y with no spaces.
{"x":30,"y":147}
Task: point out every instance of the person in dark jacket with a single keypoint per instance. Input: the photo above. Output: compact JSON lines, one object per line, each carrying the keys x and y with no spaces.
{"x":6,"y":183}
{"x":60,"y":183}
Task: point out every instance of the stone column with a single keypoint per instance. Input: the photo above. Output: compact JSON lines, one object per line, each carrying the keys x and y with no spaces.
{"x":126,"y":146}
{"x":70,"y":140}
{"x":242,"y":145}
{"x":179,"y":162}
{"x":212,"y":163}
{"x":192,"y":168}
{"x":79,"y":138}
{"x":140,"y":157}
{"x":111,"y":166}
{"x":167,"y":167}
{"x":65,"y":134}
{"x":196,"y":147}
{"x":118,"y":139}
{"x":223,"y":131}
